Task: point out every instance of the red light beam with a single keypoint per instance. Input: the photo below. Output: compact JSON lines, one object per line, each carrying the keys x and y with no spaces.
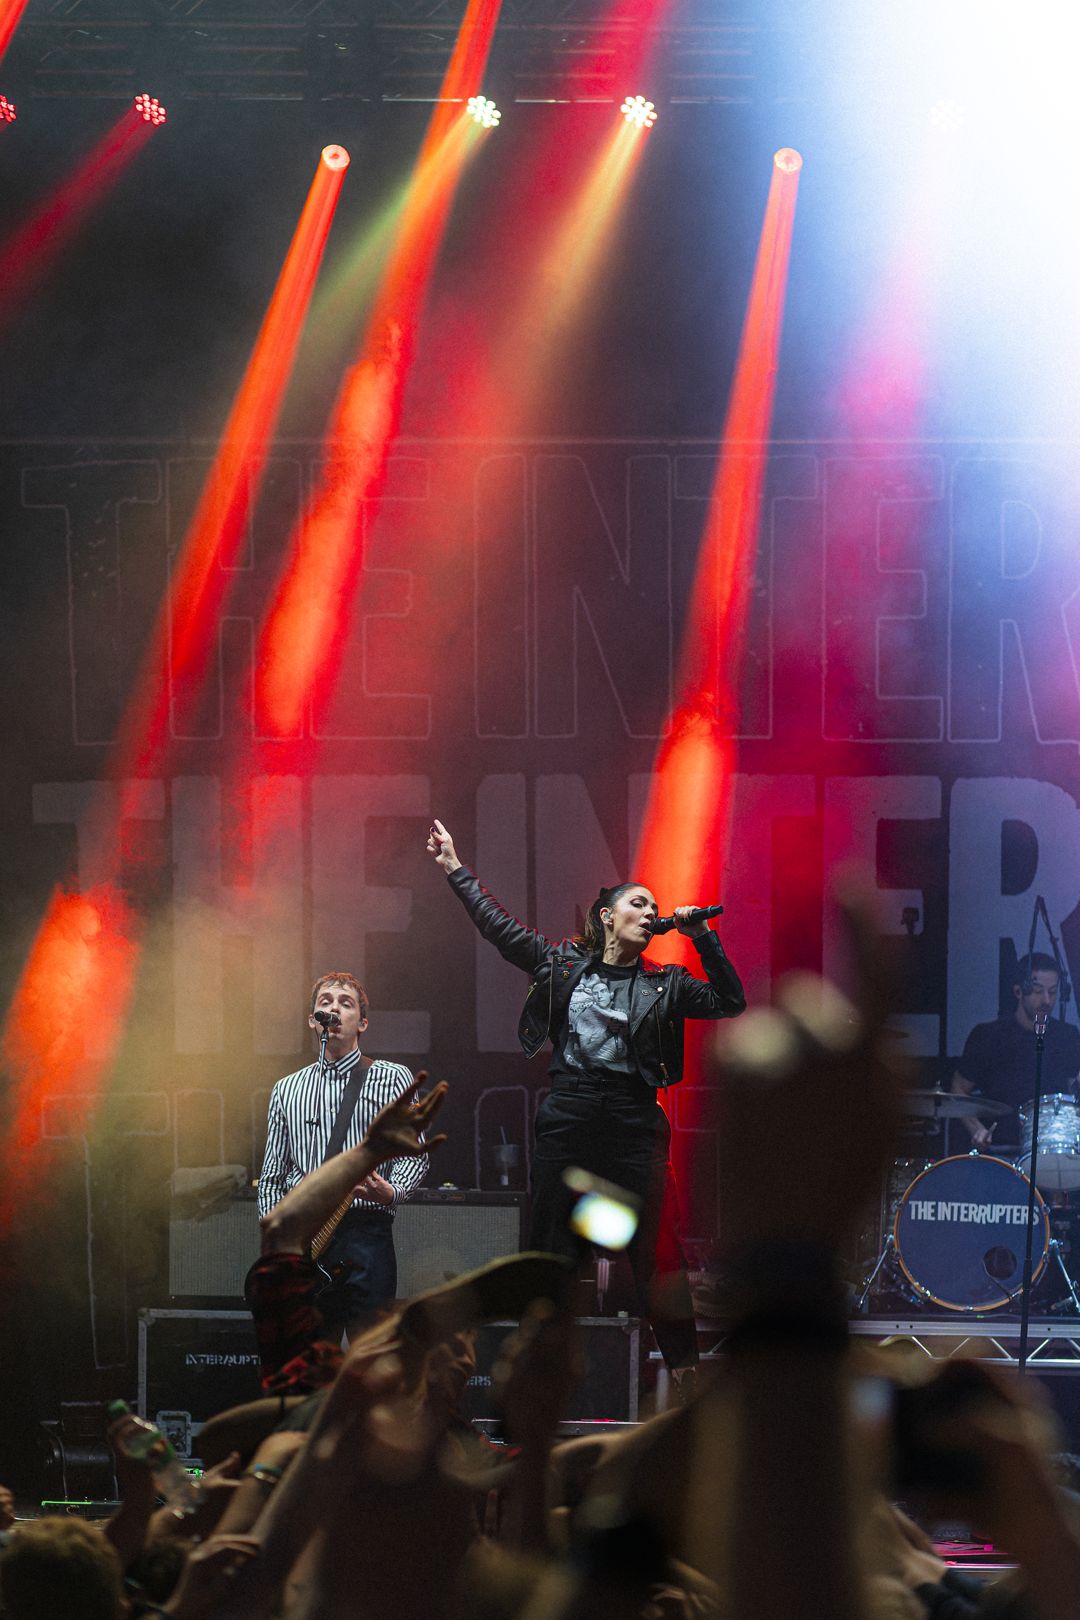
{"x":86,"y":950}
{"x":217,"y":528}
{"x":712,"y":645}
{"x":34,"y":246}
{"x":305,"y":626}
{"x":684,"y":835}
{"x":680,"y":852}
{"x":65,"y":1022}
{"x":10,"y":17}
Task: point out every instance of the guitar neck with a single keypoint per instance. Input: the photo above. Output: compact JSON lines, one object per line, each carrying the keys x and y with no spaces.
{"x":326,"y":1232}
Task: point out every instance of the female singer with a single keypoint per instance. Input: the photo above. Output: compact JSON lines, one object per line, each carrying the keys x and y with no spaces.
{"x":615,"y":1023}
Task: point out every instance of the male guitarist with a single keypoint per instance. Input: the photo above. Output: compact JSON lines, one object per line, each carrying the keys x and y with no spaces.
{"x":319,"y":1111}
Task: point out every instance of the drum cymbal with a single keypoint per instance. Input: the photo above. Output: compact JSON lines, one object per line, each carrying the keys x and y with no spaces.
{"x":932,"y":1104}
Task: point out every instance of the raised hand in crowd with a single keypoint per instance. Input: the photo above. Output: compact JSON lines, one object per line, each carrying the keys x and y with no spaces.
{"x":818,"y":1067}
{"x":815,"y":1067}
{"x":128,"y":1527}
{"x":538,"y":1369}
{"x":996,"y":1432}
{"x":204,"y":1591}
{"x":260,"y":1478}
{"x":399,"y":1130}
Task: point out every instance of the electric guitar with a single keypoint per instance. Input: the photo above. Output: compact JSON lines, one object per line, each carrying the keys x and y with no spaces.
{"x":322,"y":1237}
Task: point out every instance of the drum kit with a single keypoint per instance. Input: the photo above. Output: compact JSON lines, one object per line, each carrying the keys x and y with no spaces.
{"x":952,"y":1231}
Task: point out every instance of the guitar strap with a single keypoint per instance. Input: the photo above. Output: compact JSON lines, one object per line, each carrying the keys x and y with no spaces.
{"x":349,"y":1098}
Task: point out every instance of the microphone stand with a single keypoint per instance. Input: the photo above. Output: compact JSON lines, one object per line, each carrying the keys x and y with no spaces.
{"x":1064,"y":982}
{"x":1025,"y":1287}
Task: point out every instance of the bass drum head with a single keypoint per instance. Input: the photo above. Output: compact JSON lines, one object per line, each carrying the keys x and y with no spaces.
{"x":961,"y":1232}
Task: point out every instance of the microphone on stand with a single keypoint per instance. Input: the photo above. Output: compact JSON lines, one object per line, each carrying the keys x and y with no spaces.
{"x":664,"y":925}
{"x":328,"y":1020}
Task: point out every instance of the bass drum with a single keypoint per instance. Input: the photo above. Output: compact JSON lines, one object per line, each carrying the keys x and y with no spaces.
{"x":961,"y":1232}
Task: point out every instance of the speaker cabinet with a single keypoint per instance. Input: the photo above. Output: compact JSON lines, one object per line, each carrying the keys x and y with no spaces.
{"x":608,"y":1390}
{"x":438,"y":1234}
{"x":209,"y":1256}
{"x":441,"y":1233}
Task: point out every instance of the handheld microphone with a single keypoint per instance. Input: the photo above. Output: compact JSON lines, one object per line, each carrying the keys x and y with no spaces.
{"x":664,"y":925}
{"x":328,"y":1020}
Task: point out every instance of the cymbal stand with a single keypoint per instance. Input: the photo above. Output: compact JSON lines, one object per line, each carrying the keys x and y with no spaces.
{"x":1073,"y":1297}
{"x":861,"y":1302}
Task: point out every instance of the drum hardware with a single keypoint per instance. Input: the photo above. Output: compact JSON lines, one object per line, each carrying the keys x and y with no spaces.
{"x":1033,"y":1143}
{"x":1072,"y":1299}
{"x":895,"y":1181}
{"x":863,"y":1297}
{"x":932,"y":1103}
{"x":1039,"y":1020}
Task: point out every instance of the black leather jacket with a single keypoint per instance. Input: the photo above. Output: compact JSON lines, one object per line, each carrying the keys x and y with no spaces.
{"x":663,"y":997}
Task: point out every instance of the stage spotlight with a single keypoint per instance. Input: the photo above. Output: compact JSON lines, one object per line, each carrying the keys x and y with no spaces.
{"x":149,"y":109}
{"x":482,"y":111}
{"x":946,"y":115}
{"x":7,"y":111}
{"x":787,"y":160}
{"x":335,"y":157}
{"x":636,"y":110}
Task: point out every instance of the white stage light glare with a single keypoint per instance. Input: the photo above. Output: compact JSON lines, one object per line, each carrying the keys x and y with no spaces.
{"x":484,"y":112}
{"x":636,"y":110}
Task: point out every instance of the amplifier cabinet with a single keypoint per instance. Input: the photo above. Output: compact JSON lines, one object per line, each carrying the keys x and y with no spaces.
{"x":442,"y":1232}
{"x":608,"y":1392}
{"x":438,"y":1234}
{"x":209,"y":1256}
{"x":193,"y":1364}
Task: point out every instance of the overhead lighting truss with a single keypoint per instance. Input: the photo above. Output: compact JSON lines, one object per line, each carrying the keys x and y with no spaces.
{"x":352,"y":50}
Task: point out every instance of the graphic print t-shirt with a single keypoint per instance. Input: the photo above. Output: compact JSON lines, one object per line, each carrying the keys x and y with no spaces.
{"x":596,"y":1036}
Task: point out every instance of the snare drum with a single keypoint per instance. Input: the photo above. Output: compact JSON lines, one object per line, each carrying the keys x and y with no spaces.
{"x":961,"y":1232}
{"x":1058,"y":1169}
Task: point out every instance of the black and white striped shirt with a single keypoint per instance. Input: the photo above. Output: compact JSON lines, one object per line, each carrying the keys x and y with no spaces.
{"x":303,"y":1108}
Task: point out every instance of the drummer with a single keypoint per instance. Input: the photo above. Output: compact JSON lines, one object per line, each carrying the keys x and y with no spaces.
{"x":999,"y":1058}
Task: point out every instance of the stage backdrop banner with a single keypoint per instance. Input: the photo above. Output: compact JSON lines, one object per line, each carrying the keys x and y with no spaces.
{"x":910,"y":696}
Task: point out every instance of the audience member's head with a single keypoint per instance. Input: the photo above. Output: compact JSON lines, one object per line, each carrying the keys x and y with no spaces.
{"x":56,"y":1567}
{"x":450,"y":1366}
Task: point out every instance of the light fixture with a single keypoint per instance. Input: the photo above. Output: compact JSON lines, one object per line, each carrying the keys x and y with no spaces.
{"x":482,"y":111}
{"x":149,"y":109}
{"x":636,"y":110}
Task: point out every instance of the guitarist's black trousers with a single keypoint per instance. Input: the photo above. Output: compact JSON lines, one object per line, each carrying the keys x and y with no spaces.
{"x":361,"y":1262}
